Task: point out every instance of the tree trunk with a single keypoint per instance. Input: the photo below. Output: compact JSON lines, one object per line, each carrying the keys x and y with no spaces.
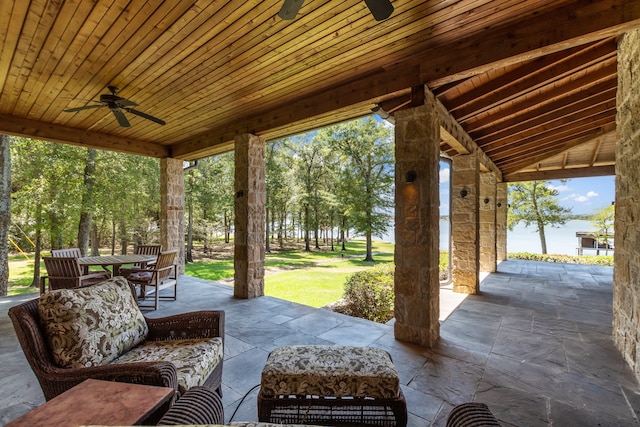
{"x":35,"y":283}
{"x":307,"y":246}
{"x":543,"y":238}
{"x":267,"y":229}
{"x":369,"y":255}
{"x":124,"y":242}
{"x":189,"y":254}
{"x":84,"y":225}
{"x":95,"y":240}
{"x":113,"y":237}
{"x":5,"y":212}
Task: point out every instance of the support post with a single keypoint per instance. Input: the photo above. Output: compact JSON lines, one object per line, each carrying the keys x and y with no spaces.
{"x":417,"y":288}
{"x":249,"y":205}
{"x":172,"y":208}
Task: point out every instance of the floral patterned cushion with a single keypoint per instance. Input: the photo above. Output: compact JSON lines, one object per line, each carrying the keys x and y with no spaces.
{"x":194,"y":359}
{"x":91,"y":326}
{"x":330,"y":371}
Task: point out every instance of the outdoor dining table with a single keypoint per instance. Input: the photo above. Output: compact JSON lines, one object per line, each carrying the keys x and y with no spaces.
{"x":116,"y":261}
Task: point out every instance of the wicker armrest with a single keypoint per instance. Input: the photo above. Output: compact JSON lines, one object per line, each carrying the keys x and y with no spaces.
{"x":471,"y":414}
{"x":199,"y":405}
{"x":197,"y":324}
{"x":55,"y":380}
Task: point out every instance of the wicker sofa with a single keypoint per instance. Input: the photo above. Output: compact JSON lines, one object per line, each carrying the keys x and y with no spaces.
{"x":70,"y":335}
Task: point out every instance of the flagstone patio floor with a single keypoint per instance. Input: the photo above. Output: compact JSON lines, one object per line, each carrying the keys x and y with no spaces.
{"x":535,"y":346}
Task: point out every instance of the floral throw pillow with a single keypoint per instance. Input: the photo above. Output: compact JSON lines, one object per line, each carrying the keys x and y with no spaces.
{"x":91,"y":326}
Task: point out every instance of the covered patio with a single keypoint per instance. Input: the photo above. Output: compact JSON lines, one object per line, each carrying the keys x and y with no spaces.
{"x":535,"y":346}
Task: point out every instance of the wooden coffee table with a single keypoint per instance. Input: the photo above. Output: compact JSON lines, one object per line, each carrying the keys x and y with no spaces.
{"x":99,"y":402}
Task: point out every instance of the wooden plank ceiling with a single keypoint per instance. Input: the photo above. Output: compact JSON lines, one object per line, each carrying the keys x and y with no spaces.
{"x":532,"y":83}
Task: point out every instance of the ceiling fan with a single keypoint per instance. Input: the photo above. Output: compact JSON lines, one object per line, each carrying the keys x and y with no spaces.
{"x":380,"y":9}
{"x":117,"y":105}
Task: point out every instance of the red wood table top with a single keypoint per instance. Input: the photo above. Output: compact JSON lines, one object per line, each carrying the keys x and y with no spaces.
{"x":98,"y":402}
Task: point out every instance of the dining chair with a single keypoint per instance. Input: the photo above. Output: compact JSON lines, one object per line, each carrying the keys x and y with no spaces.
{"x":75,"y":253}
{"x":142,"y":250}
{"x":163,"y":275}
{"x":66,"y":273}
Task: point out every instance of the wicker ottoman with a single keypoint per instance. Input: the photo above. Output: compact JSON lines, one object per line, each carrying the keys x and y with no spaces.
{"x":331,"y":385}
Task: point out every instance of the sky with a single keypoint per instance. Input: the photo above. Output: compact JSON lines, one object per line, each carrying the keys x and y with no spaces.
{"x":581,"y":195}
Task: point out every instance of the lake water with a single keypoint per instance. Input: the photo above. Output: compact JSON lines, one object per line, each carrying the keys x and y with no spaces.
{"x":560,"y":241}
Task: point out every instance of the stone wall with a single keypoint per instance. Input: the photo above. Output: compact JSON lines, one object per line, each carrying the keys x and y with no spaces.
{"x":249,"y":232}
{"x":501,"y":221}
{"x":626,"y":275}
{"x":417,"y":287}
{"x":487,"y":222}
{"x":465,"y":255}
{"x":172,"y":208}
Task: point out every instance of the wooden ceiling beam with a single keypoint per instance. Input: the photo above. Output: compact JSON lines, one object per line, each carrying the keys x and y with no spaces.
{"x":550,"y":174}
{"x":55,"y":133}
{"x":456,"y":135}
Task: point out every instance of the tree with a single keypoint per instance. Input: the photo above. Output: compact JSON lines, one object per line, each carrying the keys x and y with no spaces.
{"x":366,"y":148}
{"x":603,"y":220}
{"x":532,"y":202}
{"x":5,"y":212}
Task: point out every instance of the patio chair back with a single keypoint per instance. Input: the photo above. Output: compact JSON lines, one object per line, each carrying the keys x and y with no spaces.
{"x":148,"y":249}
{"x":67,"y":252}
{"x":66,"y":273}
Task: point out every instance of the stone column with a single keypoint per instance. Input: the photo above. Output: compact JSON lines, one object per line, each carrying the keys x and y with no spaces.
{"x":465,"y":253}
{"x":626,"y":277}
{"x":501,"y":221}
{"x":417,"y":288}
{"x":487,"y":220}
{"x":172,"y":208}
{"x":250,"y":197}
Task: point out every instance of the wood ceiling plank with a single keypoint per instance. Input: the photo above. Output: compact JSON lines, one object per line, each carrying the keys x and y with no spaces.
{"x":554,"y":120}
{"x":534,"y":116}
{"x":63,"y":86}
{"x":538,"y":76}
{"x":34,"y":31}
{"x":12,"y":18}
{"x":58,"y":39}
{"x":544,"y":140}
{"x":536,"y":152}
{"x":607,"y":71}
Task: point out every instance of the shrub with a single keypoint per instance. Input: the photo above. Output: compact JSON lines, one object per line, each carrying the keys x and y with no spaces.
{"x":602,"y":260}
{"x":369,"y":294}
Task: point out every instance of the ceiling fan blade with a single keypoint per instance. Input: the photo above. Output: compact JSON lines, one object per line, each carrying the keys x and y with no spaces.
{"x":121,"y":118}
{"x":86,"y":107}
{"x":380,"y":9}
{"x":146,"y":116}
{"x":290,"y":9}
{"x":125,"y":103}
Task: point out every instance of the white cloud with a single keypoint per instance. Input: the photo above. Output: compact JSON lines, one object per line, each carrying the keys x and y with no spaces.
{"x":444,"y":175}
{"x":592,"y":194}
{"x":559,"y":188}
